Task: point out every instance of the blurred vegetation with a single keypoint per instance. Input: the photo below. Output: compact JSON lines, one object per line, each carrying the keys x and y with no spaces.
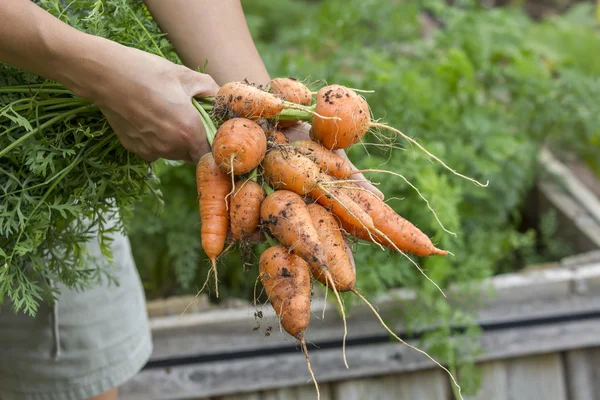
{"x":481,"y":88}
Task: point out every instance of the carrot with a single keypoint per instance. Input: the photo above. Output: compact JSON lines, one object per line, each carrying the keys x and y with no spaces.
{"x":352,"y":122}
{"x":329,"y":162}
{"x":244,"y":209}
{"x":286,"y":216}
{"x":275,"y":136}
{"x":338,"y":260}
{"x":243,"y":100}
{"x":342,"y":117}
{"x":285,"y":168}
{"x":340,"y":275}
{"x":292,"y":90}
{"x":239,"y":146}
{"x":286,"y":279}
{"x":401,"y":233}
{"x":213,"y":186}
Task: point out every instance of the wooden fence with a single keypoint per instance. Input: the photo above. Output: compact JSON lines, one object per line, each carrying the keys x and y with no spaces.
{"x":540,"y":338}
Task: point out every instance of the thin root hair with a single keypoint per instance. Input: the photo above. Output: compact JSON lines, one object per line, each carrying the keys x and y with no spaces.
{"x":391,"y":332}
{"x":416,"y":143}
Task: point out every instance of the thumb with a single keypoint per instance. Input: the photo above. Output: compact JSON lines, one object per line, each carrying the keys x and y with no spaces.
{"x":363,"y":182}
{"x":199,"y":84}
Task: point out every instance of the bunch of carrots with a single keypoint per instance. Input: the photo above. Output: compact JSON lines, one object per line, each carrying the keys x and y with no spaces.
{"x":299,"y":194}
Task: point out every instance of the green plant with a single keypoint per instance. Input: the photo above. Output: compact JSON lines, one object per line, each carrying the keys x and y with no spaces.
{"x":65,"y":176}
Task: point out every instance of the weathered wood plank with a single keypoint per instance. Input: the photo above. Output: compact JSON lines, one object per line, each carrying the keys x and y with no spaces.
{"x":494,"y":382}
{"x":307,"y":392}
{"x":576,"y":223}
{"x":518,"y":297}
{"x":242,"y":396}
{"x":247,"y":375}
{"x":583,"y":374}
{"x":577,"y":188}
{"x":280,"y":394}
{"x":539,"y":377}
{"x":422,"y":385}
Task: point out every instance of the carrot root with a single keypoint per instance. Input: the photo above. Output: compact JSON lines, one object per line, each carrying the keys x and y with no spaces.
{"x":413,"y":141}
{"x":416,"y":190}
{"x":214,"y":271}
{"x":339,"y":299}
{"x":391,"y":332}
{"x":305,"y":351}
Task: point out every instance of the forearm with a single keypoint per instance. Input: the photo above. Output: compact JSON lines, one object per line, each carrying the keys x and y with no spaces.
{"x":34,"y":40}
{"x":211,"y":30}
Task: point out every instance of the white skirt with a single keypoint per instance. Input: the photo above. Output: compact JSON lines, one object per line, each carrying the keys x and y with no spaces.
{"x":93,"y":341}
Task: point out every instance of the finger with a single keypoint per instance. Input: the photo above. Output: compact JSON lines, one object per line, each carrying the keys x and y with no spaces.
{"x":297,"y":132}
{"x":127,"y":135}
{"x":200,"y":85}
{"x":195,"y":136}
{"x":257,"y":237}
{"x":365,"y":184}
{"x":362,"y":181}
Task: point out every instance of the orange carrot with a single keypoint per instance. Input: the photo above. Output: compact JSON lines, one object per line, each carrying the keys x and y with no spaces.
{"x":286,"y":216}
{"x":401,"y":232}
{"x":286,"y":279}
{"x":244,"y":209}
{"x":285,"y":168}
{"x":352,"y":122}
{"x":292,"y":90}
{"x":329,"y":162}
{"x":275,"y":136}
{"x":239,"y":146}
{"x":213,"y":186}
{"x":342,"y":117}
{"x":243,"y":100}
{"x":338,"y":260}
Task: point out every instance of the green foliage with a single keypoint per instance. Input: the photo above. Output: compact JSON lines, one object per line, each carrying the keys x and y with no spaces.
{"x":65,"y":178}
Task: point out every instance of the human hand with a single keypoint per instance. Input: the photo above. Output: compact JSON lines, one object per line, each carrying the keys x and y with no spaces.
{"x":147,"y":101}
{"x":301,"y":130}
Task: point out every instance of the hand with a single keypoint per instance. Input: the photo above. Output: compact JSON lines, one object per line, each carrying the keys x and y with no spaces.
{"x":301,"y":130}
{"x":147,"y":101}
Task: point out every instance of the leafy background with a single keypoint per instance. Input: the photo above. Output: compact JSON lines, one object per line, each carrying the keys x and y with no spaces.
{"x":481,"y":88}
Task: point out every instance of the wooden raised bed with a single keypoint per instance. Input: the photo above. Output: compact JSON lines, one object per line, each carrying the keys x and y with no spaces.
{"x":541,"y":337}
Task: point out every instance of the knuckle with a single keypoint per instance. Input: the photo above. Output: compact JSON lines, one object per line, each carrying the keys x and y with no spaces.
{"x":164,"y":147}
{"x":189,"y":129}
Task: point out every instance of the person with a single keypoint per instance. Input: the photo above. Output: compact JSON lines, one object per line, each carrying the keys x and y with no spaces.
{"x":101,"y":337}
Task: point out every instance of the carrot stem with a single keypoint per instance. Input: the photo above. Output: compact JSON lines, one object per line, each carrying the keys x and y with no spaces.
{"x":270,"y":240}
{"x":268,"y":189}
{"x":45,"y":125}
{"x":253,"y":175}
{"x":209,"y":126}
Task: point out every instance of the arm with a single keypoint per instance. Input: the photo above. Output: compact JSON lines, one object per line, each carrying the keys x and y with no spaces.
{"x":145,"y":98}
{"x":211,"y":30}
